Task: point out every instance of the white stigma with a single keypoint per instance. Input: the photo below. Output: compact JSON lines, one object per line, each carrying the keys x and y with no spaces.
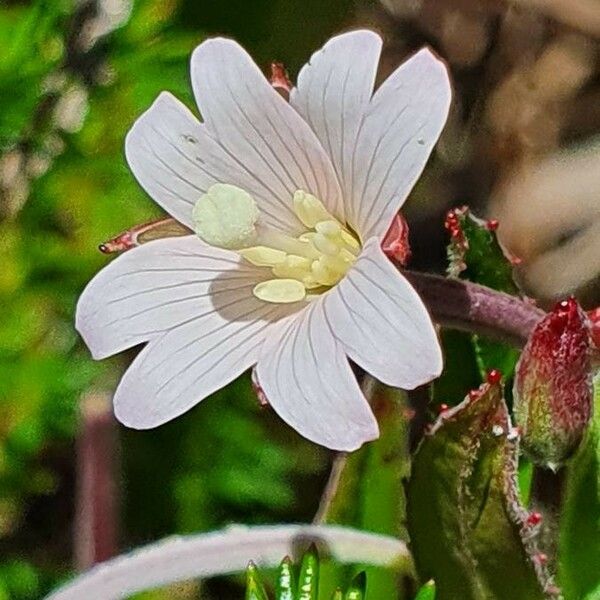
{"x":226,"y":217}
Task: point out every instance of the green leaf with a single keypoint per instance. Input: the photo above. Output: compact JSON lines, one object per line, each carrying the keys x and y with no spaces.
{"x":254,"y":587}
{"x":475,"y":254}
{"x":358,"y":588}
{"x":461,"y":371}
{"x":579,"y":544}
{"x":308,"y":581}
{"x":284,"y":586}
{"x":427,"y":592}
{"x":468,"y":531}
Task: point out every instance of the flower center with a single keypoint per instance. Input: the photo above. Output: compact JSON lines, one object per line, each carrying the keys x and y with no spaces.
{"x":227,"y":217}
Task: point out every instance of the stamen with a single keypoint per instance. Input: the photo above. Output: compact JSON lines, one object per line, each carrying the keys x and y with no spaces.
{"x":351,"y":242}
{"x":280,"y":291}
{"x":328,"y":270}
{"x":294,"y":267}
{"x":331,"y":229}
{"x":262,"y":256}
{"x":325,"y":245}
{"x":309,"y":209}
{"x":226,"y":217}
{"x":287,"y":244}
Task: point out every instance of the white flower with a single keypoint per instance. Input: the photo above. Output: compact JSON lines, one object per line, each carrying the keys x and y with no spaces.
{"x":298,"y":196}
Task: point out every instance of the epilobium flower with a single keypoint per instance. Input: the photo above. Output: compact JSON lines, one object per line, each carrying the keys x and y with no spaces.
{"x":289,"y":203}
{"x":553,"y":385}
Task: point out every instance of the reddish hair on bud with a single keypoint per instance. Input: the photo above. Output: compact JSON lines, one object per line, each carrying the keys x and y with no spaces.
{"x":494,"y":377}
{"x":492,"y":224}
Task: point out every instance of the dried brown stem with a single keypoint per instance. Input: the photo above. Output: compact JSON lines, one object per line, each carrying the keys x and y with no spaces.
{"x":96,"y":530}
{"x":470,"y":307}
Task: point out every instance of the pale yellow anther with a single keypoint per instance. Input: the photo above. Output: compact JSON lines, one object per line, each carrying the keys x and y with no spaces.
{"x":280,"y":291}
{"x":309,"y":209}
{"x":327,"y":271}
{"x":323,"y":244}
{"x":347,"y":256}
{"x":350,"y":241}
{"x":263,"y":256}
{"x":294,"y":267}
{"x":331,"y":229}
{"x":226,"y":217}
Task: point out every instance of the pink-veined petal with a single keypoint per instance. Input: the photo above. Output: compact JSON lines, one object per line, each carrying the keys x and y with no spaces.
{"x":182,"y":367}
{"x":382,"y":323}
{"x":175,"y":160}
{"x":396,"y":135}
{"x":333,"y":92}
{"x":306,"y":378}
{"x":155,"y":287}
{"x":253,"y":123}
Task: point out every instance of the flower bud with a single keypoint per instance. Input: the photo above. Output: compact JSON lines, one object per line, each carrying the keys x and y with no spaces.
{"x":553,"y":385}
{"x":395,"y":244}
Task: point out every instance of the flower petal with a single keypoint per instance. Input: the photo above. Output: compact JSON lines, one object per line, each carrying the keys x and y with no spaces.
{"x":308,"y":381}
{"x":175,"y":160}
{"x":186,"y":364}
{"x":154,"y":287}
{"x":396,"y":135}
{"x":381,"y":322}
{"x":254,"y":124}
{"x":333,"y":92}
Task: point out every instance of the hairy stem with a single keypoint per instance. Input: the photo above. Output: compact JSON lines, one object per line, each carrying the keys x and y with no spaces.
{"x":471,"y":307}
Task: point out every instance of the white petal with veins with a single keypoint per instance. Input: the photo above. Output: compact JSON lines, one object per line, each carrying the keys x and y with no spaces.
{"x":186,"y":364}
{"x":333,"y":92}
{"x":306,"y":378}
{"x":176,"y":161}
{"x":400,"y":127}
{"x":381,"y":322}
{"x":155,"y":287}
{"x":252,"y":122}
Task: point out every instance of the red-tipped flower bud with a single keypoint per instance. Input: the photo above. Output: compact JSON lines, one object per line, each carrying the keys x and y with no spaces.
{"x":553,"y":385}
